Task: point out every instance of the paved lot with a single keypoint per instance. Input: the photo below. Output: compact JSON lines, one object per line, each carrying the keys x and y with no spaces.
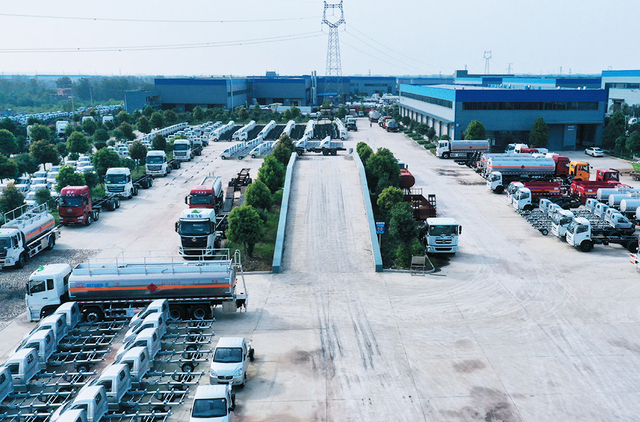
{"x":518,"y":326}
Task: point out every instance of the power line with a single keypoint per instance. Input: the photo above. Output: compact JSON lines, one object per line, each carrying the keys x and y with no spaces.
{"x":165,"y":46}
{"x":382,"y":52}
{"x":377,"y":58}
{"x":97,"y":19}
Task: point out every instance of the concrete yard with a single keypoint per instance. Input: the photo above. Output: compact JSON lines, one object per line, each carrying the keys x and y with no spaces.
{"x":517,"y":326}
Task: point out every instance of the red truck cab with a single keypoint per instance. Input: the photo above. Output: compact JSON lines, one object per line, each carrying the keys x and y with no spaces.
{"x":201,"y":197}
{"x":562,"y":165}
{"x":75,"y":206}
{"x":608,"y":175}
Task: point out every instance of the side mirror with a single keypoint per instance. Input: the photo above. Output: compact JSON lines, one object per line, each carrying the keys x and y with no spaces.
{"x":176,"y":227}
{"x":185,"y":200}
{"x":459,"y":229}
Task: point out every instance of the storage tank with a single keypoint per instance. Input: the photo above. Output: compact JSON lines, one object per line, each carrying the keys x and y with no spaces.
{"x":629,"y":205}
{"x":406,"y":179}
{"x":615,"y":198}
{"x":518,"y":166}
{"x":603,"y":193}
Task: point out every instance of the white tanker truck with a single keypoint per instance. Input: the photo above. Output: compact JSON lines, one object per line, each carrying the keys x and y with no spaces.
{"x":117,"y":287}
{"x":25,"y":233}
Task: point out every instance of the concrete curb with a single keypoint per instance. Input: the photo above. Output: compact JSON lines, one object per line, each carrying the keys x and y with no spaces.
{"x":377,"y":256}
{"x":282,"y":222}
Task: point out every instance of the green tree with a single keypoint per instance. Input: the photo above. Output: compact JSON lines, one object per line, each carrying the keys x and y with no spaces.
{"x":402,"y":226}
{"x":39,"y":132}
{"x":43,"y":196}
{"x":342,"y":111}
{"x":539,"y":135}
{"x":61,"y":148}
{"x":143,"y":125}
{"x":364,"y":151}
{"x":388,"y":198}
{"x":295,"y":112}
{"x":79,"y":143}
{"x":44,"y":152}
{"x":170,"y":117}
{"x":119,"y":134}
{"x":245,"y":227}
{"x":67,"y":176}
{"x":613,"y":130}
{"x":10,"y":199}
{"x":382,"y":170}
{"x":104,"y":159}
{"x":242,"y":113}
{"x":258,"y":195}
{"x":89,"y":126}
{"x":100,"y":135}
{"x":8,"y":168}
{"x":287,"y":114}
{"x":91,"y":178}
{"x":431,"y":133}
{"x":64,"y":82}
{"x":123,"y":117}
{"x":68,"y":131}
{"x":26,"y":163}
{"x":138,"y":151}
{"x":127,"y":130}
{"x":159,"y":143}
{"x":198,"y":114}
{"x":406,"y":120}
{"x":475,"y":130}
{"x":633,"y":143}
{"x":8,"y":143}
{"x":272,"y":173}
{"x":135,"y":116}
{"x":284,"y":148}
{"x":156,"y":120}
{"x":148,"y":111}
{"x":445,"y":137}
{"x":9,"y":125}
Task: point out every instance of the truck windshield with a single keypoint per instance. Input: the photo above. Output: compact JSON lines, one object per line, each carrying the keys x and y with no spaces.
{"x":70,"y":201}
{"x":495,"y":177}
{"x":194,"y":228}
{"x":228,"y":355}
{"x":209,"y":408}
{"x":36,"y":286}
{"x":116,"y":178}
{"x":154,"y":159}
{"x":5,"y":243}
{"x":443,"y":230}
{"x":571,"y":227}
{"x":201,"y":199}
{"x":180,"y":147}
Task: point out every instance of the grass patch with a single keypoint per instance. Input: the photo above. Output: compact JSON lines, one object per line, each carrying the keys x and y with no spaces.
{"x":431,"y":148}
{"x":98,"y":192}
{"x":636,"y":166}
{"x":138,"y":172}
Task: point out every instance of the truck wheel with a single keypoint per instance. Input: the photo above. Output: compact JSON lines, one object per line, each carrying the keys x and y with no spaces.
{"x":93,"y":314}
{"x":96,"y":215}
{"x":111,"y":206}
{"x":244,"y":381}
{"x":586,"y":246}
{"x":150,"y":182}
{"x":253,"y":156}
{"x":223,"y":157}
{"x":187,"y":367}
{"x":88,"y":221}
{"x":199,"y":312}
{"x":334,"y":152}
{"x":632,"y":246}
{"x":528,"y":207}
{"x":52,"y":242}
{"x":251,"y":354}
{"x":445,"y":155}
{"x":544,"y":232}
{"x":177,"y":312}
{"x":135,"y":191}
{"x":82,"y":367}
{"x":499,"y":190}
{"x":21,"y":261}
{"x":117,"y":201}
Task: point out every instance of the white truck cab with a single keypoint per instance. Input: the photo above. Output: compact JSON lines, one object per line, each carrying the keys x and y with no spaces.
{"x":56,"y":323}
{"x":6,"y":383}
{"x":157,"y":306}
{"x":93,"y":399}
{"x":213,"y":403}
{"x":71,"y":311}
{"x":197,"y":230}
{"x":119,"y":182}
{"x":155,"y":320}
{"x":440,"y":235}
{"x":138,"y":361}
{"x":230,"y":361}
{"x":156,"y":163}
{"x":148,"y":338}
{"x":45,"y":287}
{"x":44,"y":343}
{"x":560,"y":221}
{"x":116,"y":381}
{"x":182,"y":150}
{"x":494,"y":182}
{"x":23,"y":365}
{"x":600,"y":209}
{"x":521,"y":199}
{"x":73,"y":415}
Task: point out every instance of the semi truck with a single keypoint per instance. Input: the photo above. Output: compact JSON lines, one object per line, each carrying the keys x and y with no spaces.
{"x":440,"y":235}
{"x":157,"y":164}
{"x":460,"y":148}
{"x":77,"y":207}
{"x":200,"y":232}
{"x":116,"y":287}
{"x":118,"y":181}
{"x":581,"y":233}
{"x":26,"y":232}
{"x":208,"y":194}
{"x":182,"y":150}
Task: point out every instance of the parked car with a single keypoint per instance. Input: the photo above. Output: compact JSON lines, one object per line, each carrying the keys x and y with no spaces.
{"x":594,"y":152}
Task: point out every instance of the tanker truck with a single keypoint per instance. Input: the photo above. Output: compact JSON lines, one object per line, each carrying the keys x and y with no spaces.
{"x":25,"y":233}
{"x":110,"y":288}
{"x":208,"y":194}
{"x":460,"y":148}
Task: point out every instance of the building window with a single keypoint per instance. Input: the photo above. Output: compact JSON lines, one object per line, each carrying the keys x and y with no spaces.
{"x":550,"y":105}
{"x":431,"y":100}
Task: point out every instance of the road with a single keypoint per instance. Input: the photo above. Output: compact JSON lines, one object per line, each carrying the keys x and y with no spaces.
{"x":517,"y":326}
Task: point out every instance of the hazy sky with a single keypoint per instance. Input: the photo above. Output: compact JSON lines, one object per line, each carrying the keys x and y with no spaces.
{"x":250,"y":37}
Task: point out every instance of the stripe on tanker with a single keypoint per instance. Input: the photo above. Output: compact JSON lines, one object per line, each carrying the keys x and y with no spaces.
{"x":102,"y":289}
{"x":39,"y":230}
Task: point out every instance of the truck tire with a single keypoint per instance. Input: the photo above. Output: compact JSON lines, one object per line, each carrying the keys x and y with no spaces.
{"x":252,"y":354}
{"x":199,"y":312}
{"x":586,"y":246}
{"x":445,"y":155}
{"x":21,"y":261}
{"x":52,"y":242}
{"x":96,"y":215}
{"x":111,"y":206}
{"x":499,"y":190}
{"x":528,"y":207}
{"x":135,"y":191}
{"x":244,"y":381}
{"x":117,"y":201}
{"x":544,"y":232}
{"x":150,"y":182}
{"x":89,"y":220}
{"x":177,"y":312}
{"x":93,"y":314}
{"x":82,"y":367}
{"x":632,"y":246}
{"x":223,"y":157}
{"x":187,"y":367}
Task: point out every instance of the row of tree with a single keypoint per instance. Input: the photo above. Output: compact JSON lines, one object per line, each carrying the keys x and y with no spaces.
{"x":619,"y":138}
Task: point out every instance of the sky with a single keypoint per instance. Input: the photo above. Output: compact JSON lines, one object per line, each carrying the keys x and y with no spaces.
{"x":251,"y":37}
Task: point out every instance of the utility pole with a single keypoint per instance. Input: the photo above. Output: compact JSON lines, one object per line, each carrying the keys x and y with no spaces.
{"x":487,"y":57}
{"x":333,"y":74}
{"x":509,"y":69}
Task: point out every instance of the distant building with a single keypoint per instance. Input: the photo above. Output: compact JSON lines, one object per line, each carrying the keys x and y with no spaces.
{"x":623,"y":87}
{"x":575,"y":116}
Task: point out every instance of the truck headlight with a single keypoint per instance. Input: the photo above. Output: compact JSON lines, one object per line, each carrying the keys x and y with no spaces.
{"x":238,"y":372}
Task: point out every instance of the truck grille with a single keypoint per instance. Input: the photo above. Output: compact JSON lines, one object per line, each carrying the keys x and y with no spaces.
{"x":154,"y":167}
{"x":3,"y":253}
{"x":443,"y":241}
{"x":115,"y":188}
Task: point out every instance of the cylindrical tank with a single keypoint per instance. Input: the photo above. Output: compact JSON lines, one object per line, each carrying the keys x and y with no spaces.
{"x":406,"y":179}
{"x":515,"y":165}
{"x":629,"y":205}
{"x":32,"y":225}
{"x":603,"y":193}
{"x":615,"y":198}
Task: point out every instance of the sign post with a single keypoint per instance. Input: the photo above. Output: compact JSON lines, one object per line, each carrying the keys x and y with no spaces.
{"x":379,"y":230}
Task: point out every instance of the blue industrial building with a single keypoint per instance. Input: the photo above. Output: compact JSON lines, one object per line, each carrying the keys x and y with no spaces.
{"x":575,"y":116}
